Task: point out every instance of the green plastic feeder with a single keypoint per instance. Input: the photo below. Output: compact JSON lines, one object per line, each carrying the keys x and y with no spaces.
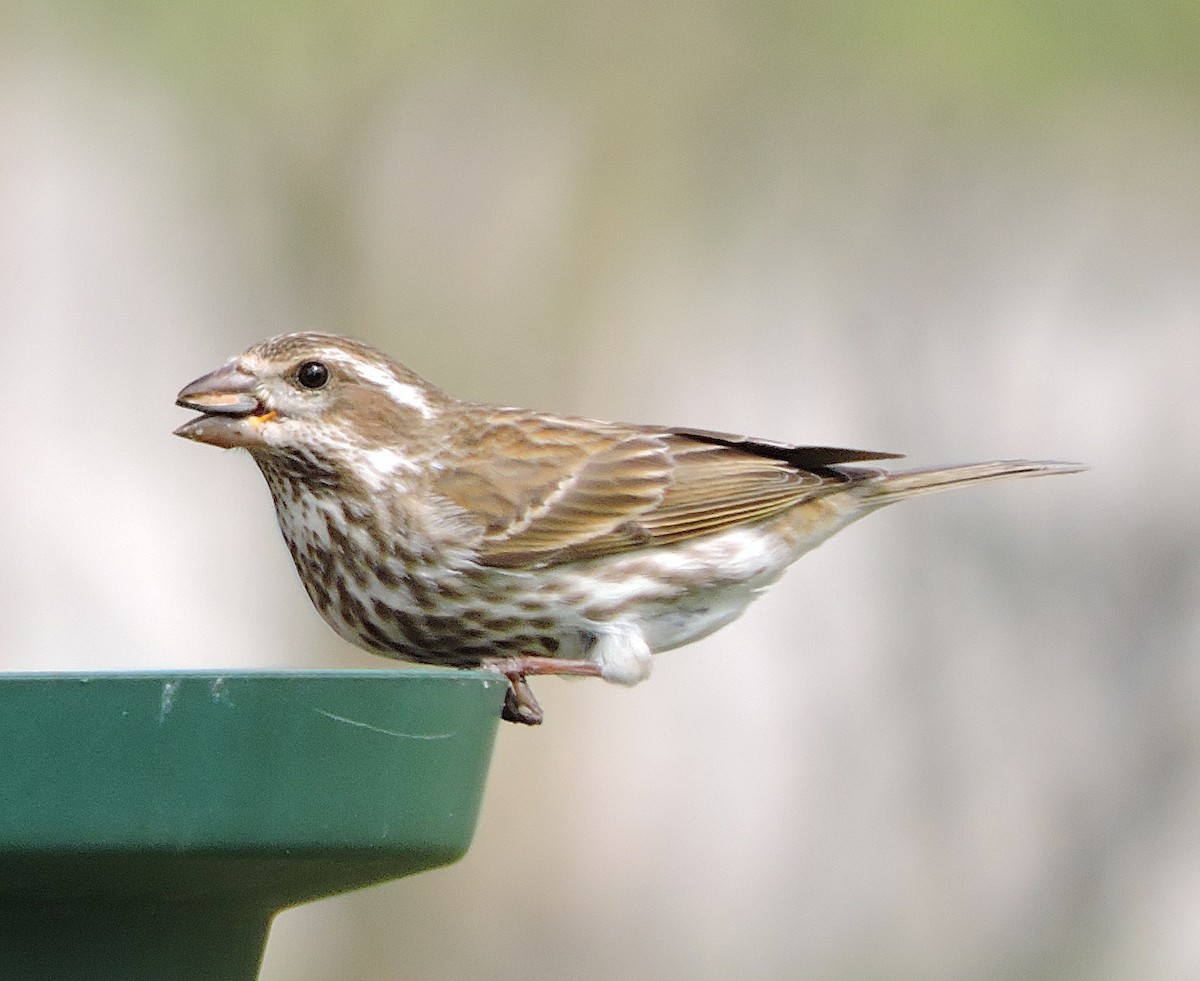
{"x":151,"y":825}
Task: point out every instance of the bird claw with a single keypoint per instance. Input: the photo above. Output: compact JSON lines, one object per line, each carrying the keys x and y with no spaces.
{"x":520,"y":704}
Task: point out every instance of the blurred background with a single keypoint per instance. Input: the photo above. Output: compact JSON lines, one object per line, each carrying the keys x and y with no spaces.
{"x":960,"y":740}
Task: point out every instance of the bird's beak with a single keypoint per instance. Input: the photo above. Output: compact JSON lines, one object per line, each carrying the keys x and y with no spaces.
{"x":232,"y":413}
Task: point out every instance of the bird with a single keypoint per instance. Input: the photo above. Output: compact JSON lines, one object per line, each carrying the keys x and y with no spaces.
{"x":448,"y":532}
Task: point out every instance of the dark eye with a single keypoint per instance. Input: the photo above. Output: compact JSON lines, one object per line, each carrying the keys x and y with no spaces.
{"x":312,"y":374}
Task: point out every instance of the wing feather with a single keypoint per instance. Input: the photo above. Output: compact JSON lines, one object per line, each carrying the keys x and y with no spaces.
{"x":550,"y":490}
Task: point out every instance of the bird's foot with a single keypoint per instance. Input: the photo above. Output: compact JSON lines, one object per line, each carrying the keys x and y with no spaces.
{"x":520,"y":705}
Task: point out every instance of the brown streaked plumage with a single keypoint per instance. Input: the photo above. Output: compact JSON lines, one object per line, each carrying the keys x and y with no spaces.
{"x":453,"y":533}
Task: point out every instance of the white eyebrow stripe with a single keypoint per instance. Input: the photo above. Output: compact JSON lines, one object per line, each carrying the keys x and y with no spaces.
{"x":402,"y":393}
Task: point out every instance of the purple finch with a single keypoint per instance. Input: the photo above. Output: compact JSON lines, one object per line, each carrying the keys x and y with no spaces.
{"x":452,"y":533}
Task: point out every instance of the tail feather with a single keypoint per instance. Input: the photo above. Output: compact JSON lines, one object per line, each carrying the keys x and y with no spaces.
{"x":908,"y":483}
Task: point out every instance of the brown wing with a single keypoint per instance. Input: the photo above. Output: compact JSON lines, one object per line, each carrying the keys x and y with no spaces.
{"x":562,"y":490}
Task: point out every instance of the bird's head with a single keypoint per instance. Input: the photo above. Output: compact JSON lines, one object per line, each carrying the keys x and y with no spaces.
{"x":309,"y":394}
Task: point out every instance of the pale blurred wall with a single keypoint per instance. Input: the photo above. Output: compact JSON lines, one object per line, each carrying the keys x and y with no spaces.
{"x":962,"y":740}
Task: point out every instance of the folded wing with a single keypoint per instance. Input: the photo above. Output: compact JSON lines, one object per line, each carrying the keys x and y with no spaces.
{"x":559,"y":490}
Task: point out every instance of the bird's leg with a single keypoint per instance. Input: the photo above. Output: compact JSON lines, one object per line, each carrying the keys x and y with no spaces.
{"x":520,"y":705}
{"x":533,"y":664}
